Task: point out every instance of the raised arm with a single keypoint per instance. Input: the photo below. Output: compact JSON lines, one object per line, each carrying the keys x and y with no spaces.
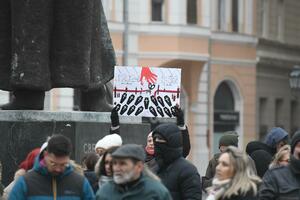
{"x":186,"y":144}
{"x":115,"y":123}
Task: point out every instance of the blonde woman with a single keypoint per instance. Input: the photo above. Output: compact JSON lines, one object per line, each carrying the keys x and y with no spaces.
{"x":282,"y":157}
{"x":233,"y":179}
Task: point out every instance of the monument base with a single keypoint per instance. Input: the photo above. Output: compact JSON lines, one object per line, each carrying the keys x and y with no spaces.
{"x":22,"y":131}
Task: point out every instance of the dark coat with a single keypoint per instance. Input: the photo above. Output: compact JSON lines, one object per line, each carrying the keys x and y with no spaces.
{"x":46,"y":44}
{"x":281,"y":184}
{"x":93,"y":179}
{"x":145,"y":188}
{"x":210,"y":171}
{"x":248,"y":196}
{"x":150,"y":159}
{"x":177,"y":174}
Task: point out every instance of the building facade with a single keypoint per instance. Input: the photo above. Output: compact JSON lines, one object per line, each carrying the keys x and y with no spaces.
{"x":235,"y":57}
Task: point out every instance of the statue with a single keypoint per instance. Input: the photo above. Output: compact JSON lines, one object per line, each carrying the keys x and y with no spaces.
{"x":47,"y":44}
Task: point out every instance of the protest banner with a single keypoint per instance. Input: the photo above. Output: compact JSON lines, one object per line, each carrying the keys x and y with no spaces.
{"x":146,"y":91}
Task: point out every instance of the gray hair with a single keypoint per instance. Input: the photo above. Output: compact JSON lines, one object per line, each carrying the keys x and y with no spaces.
{"x":243,"y":179}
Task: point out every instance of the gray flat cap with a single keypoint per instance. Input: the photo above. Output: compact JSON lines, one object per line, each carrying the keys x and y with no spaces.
{"x":130,"y":151}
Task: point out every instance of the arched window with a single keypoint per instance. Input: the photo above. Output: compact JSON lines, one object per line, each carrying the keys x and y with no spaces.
{"x":224,"y":100}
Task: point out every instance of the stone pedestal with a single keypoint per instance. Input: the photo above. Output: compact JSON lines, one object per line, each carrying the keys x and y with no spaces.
{"x":22,"y":131}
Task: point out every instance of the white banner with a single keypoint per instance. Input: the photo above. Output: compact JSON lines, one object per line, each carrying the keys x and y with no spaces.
{"x":146,"y":91}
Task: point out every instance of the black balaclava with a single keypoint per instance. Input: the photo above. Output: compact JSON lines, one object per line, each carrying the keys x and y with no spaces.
{"x":166,"y":153}
{"x":295,"y":163}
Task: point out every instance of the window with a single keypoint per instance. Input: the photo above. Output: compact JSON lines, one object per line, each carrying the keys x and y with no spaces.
{"x":157,"y":10}
{"x":224,"y":99}
{"x":235,"y":15}
{"x":279,"y":112}
{"x":191,"y":11}
{"x":221,"y":15}
{"x":263,"y":127}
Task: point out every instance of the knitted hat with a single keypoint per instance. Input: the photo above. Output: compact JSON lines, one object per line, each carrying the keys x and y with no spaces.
{"x":276,"y":135}
{"x":295,"y":140}
{"x":230,"y":138}
{"x":109,"y":141}
{"x":262,"y":159}
{"x":130,"y":151}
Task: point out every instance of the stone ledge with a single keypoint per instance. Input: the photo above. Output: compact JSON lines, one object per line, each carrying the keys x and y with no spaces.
{"x":74,"y":116}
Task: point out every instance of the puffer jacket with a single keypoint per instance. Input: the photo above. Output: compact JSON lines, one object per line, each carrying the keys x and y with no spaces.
{"x":40,"y":184}
{"x":281,"y":183}
{"x":177,"y":174}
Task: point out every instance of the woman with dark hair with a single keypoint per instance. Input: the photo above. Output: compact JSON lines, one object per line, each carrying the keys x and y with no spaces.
{"x":104,"y":171}
{"x":89,"y":163}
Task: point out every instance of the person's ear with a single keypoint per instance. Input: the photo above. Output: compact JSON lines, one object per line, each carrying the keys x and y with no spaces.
{"x":140,"y":166}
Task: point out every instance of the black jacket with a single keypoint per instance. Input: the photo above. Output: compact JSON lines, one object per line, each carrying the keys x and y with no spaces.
{"x":248,"y":196}
{"x":150,"y":159}
{"x":177,"y":174}
{"x":280,"y":184}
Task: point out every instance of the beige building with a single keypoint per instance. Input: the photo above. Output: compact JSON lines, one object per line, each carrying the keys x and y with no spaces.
{"x":235,"y":57}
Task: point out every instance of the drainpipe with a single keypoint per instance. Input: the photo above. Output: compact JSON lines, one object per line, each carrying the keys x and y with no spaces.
{"x":209,"y":131}
{"x":125,"y":33}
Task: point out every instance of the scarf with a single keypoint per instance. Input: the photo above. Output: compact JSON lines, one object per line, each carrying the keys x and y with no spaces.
{"x":218,"y":189}
{"x":104,"y":179}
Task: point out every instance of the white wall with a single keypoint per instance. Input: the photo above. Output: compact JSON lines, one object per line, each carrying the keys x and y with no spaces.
{"x":206,"y":12}
{"x":177,"y":12}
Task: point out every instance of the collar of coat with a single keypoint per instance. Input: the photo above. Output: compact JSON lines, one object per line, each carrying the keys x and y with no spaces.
{"x":41,"y":169}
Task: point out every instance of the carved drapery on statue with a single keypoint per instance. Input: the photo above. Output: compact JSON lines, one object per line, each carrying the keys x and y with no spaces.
{"x":54,"y":43}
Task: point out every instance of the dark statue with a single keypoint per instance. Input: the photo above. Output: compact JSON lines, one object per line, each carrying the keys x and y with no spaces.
{"x":47,"y":44}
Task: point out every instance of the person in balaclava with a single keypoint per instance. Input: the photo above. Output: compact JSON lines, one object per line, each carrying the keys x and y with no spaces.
{"x":177,"y":174}
{"x":186,"y":145}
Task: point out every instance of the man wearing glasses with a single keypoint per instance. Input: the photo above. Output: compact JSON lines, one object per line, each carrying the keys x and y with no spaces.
{"x":52,"y":176}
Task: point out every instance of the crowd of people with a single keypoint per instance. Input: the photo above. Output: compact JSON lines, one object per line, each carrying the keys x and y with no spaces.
{"x":268,"y":170}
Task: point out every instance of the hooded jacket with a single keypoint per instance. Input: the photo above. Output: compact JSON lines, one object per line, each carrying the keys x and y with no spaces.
{"x":39,"y":184}
{"x":282,"y":183}
{"x":177,"y":174}
{"x":186,"y":147}
{"x":274,"y":136}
